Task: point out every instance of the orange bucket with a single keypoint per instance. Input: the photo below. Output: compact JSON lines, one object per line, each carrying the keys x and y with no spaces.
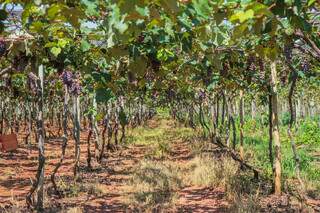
{"x":8,"y":142}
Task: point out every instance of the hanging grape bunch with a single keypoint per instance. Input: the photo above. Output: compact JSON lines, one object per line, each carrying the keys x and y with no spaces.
{"x":7,"y":82}
{"x":105,"y":120}
{"x":170,"y":94}
{"x":261,"y":68}
{"x":3,"y":47}
{"x":132,"y":78}
{"x":201,"y":95}
{"x":155,"y":65}
{"x":225,"y":69}
{"x":20,"y":62}
{"x":76,"y":87}
{"x":140,"y":38}
{"x":32,"y":83}
{"x":251,"y":68}
{"x":67,"y":78}
{"x":284,"y":77}
{"x":288,"y":52}
{"x":305,"y":66}
{"x":52,"y":86}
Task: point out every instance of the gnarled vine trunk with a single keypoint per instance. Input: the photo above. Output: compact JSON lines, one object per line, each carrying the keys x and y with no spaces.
{"x":275,"y":130}
{"x":76,"y":134}
{"x":38,"y":185}
{"x":64,"y":138}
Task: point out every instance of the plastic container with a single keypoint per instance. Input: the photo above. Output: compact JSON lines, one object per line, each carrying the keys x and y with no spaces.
{"x":8,"y":143}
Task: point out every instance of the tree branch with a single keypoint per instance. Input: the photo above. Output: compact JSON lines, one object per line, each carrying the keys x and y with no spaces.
{"x":5,"y":71}
{"x":308,"y":40}
{"x":308,"y":51}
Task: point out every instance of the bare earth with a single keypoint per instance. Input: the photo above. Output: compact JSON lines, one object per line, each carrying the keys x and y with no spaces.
{"x":17,"y":170}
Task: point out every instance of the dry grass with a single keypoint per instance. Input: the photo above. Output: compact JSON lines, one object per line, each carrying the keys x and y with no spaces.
{"x":153,"y":185}
{"x":312,"y":188}
{"x":206,"y":171}
{"x":73,"y":189}
{"x":246,"y":204}
{"x":74,"y":210}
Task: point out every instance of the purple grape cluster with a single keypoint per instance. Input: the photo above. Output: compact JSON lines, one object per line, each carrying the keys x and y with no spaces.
{"x":67,"y":78}
{"x":32,"y":83}
{"x":170,"y":93}
{"x":20,"y":62}
{"x":72,"y":82}
{"x":3,"y":47}
{"x":202,"y":95}
{"x":252,"y":67}
{"x":261,"y":65}
{"x":76,"y":88}
{"x":288,"y":52}
{"x":305,"y":66}
{"x":140,"y":38}
{"x":105,"y":120}
{"x":251,"y":63}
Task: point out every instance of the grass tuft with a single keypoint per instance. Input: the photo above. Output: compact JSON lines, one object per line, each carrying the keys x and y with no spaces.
{"x":153,"y":185}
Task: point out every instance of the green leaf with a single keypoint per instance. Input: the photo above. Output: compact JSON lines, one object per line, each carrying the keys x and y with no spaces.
{"x":170,"y":5}
{"x":73,"y":15}
{"x":249,"y":14}
{"x":118,"y":52}
{"x":85,"y":46}
{"x":260,"y":9}
{"x":55,"y":51}
{"x":301,"y":23}
{"x":123,"y":118}
{"x":143,"y":11}
{"x":202,"y":8}
{"x":311,"y":2}
{"x":62,"y":43}
{"x":219,"y":17}
{"x":116,"y":20}
{"x":53,"y":10}
{"x":242,"y":16}
{"x":36,"y":26}
{"x":1,"y":26}
{"x":121,"y":26}
{"x":103,"y":95}
{"x":91,"y":7}
{"x":3,"y":14}
{"x":138,"y":66}
{"x":101,"y":77}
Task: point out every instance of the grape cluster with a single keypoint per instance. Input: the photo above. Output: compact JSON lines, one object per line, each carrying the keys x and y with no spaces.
{"x":288,"y":52}
{"x":76,"y":88}
{"x":202,"y":95}
{"x":283,"y":78}
{"x":251,"y":64}
{"x":20,"y":62}
{"x":3,"y":47}
{"x":170,"y":93}
{"x":261,"y":65}
{"x":72,"y":81}
{"x":305,"y":66}
{"x":67,"y":78}
{"x":252,"y":67}
{"x":32,"y":83}
{"x":140,"y":38}
{"x":105,"y":120}
{"x":155,"y":65}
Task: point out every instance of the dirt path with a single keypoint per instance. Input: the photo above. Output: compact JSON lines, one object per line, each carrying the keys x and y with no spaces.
{"x":17,"y":170}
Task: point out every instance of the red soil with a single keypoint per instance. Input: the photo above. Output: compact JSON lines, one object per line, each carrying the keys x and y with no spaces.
{"x":17,"y":171}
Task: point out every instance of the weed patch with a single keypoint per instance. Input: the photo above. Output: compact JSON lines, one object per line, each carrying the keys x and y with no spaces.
{"x":153,"y":185}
